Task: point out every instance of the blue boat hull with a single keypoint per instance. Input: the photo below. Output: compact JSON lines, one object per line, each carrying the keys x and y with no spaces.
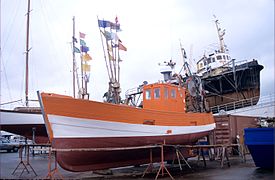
{"x":260,"y":142}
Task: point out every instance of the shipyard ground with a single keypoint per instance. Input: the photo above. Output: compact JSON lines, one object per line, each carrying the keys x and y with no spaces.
{"x":237,"y":170}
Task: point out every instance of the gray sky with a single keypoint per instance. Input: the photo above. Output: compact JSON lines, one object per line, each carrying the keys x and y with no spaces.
{"x":151,"y":33}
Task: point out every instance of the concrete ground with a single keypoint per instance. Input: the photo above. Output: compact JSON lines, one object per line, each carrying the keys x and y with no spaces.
{"x":237,"y":170}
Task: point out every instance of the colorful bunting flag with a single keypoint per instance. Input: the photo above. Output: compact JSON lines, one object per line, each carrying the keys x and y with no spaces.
{"x":76,"y":50}
{"x":86,"y":57}
{"x":103,"y":23}
{"x":115,"y":26}
{"x":107,"y":35}
{"x":82,"y":35}
{"x":82,"y":42}
{"x":121,"y":47}
{"x":110,"y":35}
{"x":87,"y":77}
{"x":111,"y":58}
{"x":86,"y":67}
{"x":110,"y":48}
{"x":84,"y":49}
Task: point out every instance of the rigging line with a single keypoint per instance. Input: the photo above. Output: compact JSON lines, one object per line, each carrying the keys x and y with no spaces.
{"x":12,"y":22}
{"x":61,"y":22}
{"x":5,"y":75}
{"x":3,"y":59}
{"x":75,"y":68}
{"x":11,"y":102}
{"x":105,"y":58}
{"x":45,"y":16}
{"x":110,"y":64}
{"x":46,"y":20}
{"x":13,"y":41}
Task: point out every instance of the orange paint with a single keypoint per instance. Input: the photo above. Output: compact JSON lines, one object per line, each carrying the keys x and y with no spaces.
{"x":164,"y":116}
{"x":164,"y":97}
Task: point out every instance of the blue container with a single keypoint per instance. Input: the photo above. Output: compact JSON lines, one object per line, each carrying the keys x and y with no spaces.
{"x":260,"y":142}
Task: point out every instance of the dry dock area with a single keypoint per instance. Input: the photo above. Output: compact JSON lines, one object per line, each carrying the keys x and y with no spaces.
{"x":237,"y":170}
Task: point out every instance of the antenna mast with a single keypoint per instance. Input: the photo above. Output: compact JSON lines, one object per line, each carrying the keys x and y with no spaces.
{"x":221,"y":33}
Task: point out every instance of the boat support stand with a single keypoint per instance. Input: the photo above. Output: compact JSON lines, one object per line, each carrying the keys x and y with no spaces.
{"x":52,"y":172}
{"x":25,"y":164}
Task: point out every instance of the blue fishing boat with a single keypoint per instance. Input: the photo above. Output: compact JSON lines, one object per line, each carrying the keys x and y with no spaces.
{"x":260,"y":142}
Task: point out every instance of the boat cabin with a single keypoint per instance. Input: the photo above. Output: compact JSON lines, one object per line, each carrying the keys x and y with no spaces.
{"x":214,"y":61}
{"x":164,"y":97}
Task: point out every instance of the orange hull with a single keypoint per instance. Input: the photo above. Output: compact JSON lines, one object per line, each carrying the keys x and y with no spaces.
{"x":76,"y":123}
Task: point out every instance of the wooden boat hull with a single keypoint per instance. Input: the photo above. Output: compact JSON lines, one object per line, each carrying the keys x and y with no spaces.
{"x":77,"y":125}
{"x":94,"y":160}
{"x":22,"y":123}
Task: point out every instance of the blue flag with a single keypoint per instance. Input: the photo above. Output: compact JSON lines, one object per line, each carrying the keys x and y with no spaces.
{"x":84,"y":49}
{"x":103,"y":23}
{"x":76,"y":50}
{"x":82,"y":42}
{"x":115,"y":26}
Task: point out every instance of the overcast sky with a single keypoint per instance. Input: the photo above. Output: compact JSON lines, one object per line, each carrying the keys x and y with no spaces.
{"x":151,"y":30}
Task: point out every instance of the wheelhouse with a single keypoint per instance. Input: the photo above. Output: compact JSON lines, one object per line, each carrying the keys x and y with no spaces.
{"x":164,"y":97}
{"x":214,"y":61}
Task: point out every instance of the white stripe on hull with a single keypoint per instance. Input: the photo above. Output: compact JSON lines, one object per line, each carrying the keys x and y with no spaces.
{"x":68,"y":127}
{"x":16,"y":118}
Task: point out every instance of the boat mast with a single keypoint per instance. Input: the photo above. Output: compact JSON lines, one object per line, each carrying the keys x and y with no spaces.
{"x":27,"y":57}
{"x":73,"y":42}
{"x":111,"y":48}
{"x":220,"y":35}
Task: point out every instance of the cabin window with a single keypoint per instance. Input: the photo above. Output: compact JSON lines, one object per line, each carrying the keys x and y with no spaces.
{"x":213,"y":59}
{"x":224,"y":57}
{"x":173,"y":93}
{"x":219,"y":57}
{"x":204,"y":62}
{"x":166,"y":93}
{"x":156,"y":93}
{"x":148,"y":94}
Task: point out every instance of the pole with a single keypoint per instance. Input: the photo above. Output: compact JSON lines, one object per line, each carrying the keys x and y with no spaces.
{"x":110,"y":64}
{"x":222,"y":48}
{"x":234,"y":75}
{"x":27,"y":56}
{"x":73,"y":42}
{"x":104,"y":52}
{"x":82,"y":77}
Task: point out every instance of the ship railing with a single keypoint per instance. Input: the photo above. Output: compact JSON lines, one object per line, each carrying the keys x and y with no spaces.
{"x":231,"y":63}
{"x":235,"y":63}
{"x":243,"y":103}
